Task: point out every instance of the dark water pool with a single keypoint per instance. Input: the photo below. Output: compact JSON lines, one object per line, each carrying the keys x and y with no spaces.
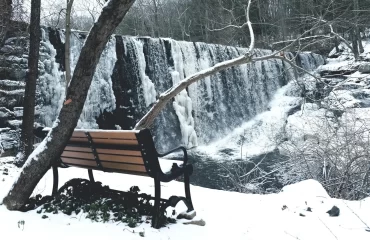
{"x":216,"y":174}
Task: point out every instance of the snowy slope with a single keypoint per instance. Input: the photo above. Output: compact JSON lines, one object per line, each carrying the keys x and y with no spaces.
{"x":228,"y":215}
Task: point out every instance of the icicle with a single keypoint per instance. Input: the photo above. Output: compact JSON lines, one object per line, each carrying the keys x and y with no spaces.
{"x":183,"y":104}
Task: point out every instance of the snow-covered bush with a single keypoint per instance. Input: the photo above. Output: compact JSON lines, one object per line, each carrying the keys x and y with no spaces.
{"x":331,"y":149}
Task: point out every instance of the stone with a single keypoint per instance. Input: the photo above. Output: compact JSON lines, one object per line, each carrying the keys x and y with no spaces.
{"x":187,"y":215}
{"x":334,"y":211}
{"x":6,"y":113}
{"x":9,"y":141}
{"x":364,"y":68}
{"x":200,"y":222}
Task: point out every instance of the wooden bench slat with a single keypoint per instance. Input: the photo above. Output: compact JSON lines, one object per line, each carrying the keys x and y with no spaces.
{"x":119,"y":152}
{"x":120,"y":166}
{"x":106,"y":134}
{"x":89,"y":155}
{"x":135,"y":148}
{"x":104,"y":157}
{"x":102,"y":150}
{"x":105,"y":141}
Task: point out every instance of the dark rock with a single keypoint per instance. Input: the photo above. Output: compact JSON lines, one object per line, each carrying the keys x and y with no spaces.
{"x":11,"y":73}
{"x":14,"y":124}
{"x":6,"y":113}
{"x":11,"y":99}
{"x":337,"y":73}
{"x":18,"y":112}
{"x":294,"y":110}
{"x":9,"y":141}
{"x":9,"y":85}
{"x":364,"y":68}
{"x":334,"y":211}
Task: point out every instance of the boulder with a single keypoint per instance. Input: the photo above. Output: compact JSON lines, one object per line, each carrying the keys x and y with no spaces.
{"x":364,"y":68}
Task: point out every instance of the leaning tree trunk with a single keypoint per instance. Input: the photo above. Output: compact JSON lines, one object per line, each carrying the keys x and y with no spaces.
{"x":51,"y":148}
{"x":26,"y":141}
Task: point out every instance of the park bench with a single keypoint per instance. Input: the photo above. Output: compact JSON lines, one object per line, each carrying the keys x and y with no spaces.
{"x":124,"y":151}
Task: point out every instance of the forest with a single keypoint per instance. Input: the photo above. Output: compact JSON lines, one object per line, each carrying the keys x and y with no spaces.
{"x":224,"y":21}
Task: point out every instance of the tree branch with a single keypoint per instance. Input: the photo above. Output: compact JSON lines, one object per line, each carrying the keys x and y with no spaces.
{"x":164,"y":98}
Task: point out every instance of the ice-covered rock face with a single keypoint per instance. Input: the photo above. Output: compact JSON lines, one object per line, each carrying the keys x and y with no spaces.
{"x":132,"y":72}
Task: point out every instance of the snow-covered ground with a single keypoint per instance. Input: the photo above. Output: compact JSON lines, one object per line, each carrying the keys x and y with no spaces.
{"x":228,"y":215}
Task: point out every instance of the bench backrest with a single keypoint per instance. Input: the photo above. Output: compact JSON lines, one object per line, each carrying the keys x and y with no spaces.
{"x":127,"y":151}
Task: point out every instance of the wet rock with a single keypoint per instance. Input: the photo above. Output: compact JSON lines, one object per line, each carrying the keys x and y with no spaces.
{"x":334,"y":211}
{"x":12,"y":73}
{"x":9,"y":141}
{"x":364,"y":68}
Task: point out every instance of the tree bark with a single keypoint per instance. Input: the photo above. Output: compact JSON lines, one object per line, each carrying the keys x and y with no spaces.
{"x":156,"y":19}
{"x":52,"y":146}
{"x":355,"y":44}
{"x":26,"y":141}
{"x":358,"y":34}
{"x":5,"y":16}
{"x":67,"y":47}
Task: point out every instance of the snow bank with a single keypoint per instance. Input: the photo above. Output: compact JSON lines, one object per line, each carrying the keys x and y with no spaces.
{"x":228,"y":215}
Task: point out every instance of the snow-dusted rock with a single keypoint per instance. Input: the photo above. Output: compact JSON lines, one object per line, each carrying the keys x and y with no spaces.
{"x":364,"y":68}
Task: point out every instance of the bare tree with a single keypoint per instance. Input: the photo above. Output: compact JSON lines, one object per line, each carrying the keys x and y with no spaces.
{"x":26,"y":141}
{"x":5,"y":16}
{"x":67,"y":46}
{"x":52,"y":146}
{"x":335,"y":153}
{"x":248,"y":57}
{"x":358,"y":34}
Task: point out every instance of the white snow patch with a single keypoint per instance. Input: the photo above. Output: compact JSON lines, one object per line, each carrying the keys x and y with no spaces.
{"x":250,"y":216}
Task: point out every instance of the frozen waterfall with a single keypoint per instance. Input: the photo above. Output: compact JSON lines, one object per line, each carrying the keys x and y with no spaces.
{"x":133,"y":71}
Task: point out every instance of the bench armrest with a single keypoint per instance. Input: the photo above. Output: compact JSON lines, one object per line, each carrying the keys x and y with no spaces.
{"x":174,"y":150}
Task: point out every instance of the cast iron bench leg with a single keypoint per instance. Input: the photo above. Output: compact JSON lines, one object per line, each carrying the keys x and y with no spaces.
{"x":55,"y":184}
{"x":91,"y":176}
{"x":189,"y":203}
{"x":157,"y":204}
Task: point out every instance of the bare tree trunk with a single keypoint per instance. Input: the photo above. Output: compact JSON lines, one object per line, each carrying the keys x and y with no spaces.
{"x":355,"y":44}
{"x":358,"y":38}
{"x":52,"y":147}
{"x":336,"y":43}
{"x":156,"y":19}
{"x":26,"y":143}
{"x":206,"y":27}
{"x":358,"y":35}
{"x":5,"y":15}
{"x":67,"y":45}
